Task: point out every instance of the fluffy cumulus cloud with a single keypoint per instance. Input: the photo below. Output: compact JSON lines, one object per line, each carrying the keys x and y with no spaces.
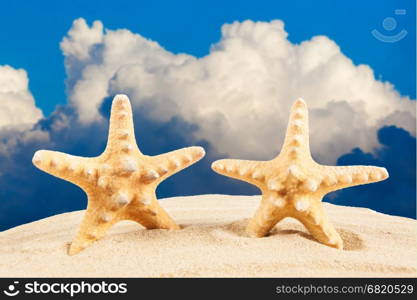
{"x":239,"y":94}
{"x":17,"y":106}
{"x":18,"y":112}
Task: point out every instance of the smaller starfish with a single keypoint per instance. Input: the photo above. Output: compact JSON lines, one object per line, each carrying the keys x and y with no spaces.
{"x":121,"y":182}
{"x":293,"y":184}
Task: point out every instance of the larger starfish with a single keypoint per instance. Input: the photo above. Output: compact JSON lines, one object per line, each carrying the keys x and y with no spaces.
{"x":120,"y":183}
{"x":293,"y":184}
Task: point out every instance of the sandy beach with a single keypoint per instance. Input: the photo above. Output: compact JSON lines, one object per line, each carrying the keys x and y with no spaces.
{"x":212,"y":243}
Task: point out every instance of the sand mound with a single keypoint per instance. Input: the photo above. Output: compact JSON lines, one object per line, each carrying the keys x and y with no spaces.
{"x":212,"y":243}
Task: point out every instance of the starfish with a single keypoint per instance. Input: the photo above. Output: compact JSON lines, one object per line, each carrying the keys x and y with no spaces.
{"x":121,"y":182}
{"x":293,"y":184}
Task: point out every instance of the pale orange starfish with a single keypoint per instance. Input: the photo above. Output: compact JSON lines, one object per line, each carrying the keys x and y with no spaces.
{"x":121,"y":182}
{"x":293,"y":184}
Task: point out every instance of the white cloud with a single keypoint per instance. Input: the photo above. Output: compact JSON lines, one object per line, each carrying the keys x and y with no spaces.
{"x":240,"y":93}
{"x":81,"y":38}
{"x":11,"y":139}
{"x":17,"y":106}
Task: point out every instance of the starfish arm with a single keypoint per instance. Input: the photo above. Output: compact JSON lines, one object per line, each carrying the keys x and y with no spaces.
{"x":317,"y":223}
{"x":68,"y":167}
{"x":339,"y":177}
{"x":121,"y":136}
{"x":250,"y":171}
{"x":103,"y":212}
{"x":172,"y":162}
{"x":151,"y":216}
{"x":96,"y":222}
{"x":296,"y":141}
{"x":265,"y":218}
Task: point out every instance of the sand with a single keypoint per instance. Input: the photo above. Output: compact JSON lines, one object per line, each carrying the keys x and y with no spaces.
{"x":212,"y":244}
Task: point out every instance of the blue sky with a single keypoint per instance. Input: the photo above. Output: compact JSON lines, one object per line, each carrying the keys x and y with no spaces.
{"x":31,"y":33}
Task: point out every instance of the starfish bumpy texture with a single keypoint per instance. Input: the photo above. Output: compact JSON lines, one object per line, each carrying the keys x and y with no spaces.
{"x":293,"y":184}
{"x":121,"y":182}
